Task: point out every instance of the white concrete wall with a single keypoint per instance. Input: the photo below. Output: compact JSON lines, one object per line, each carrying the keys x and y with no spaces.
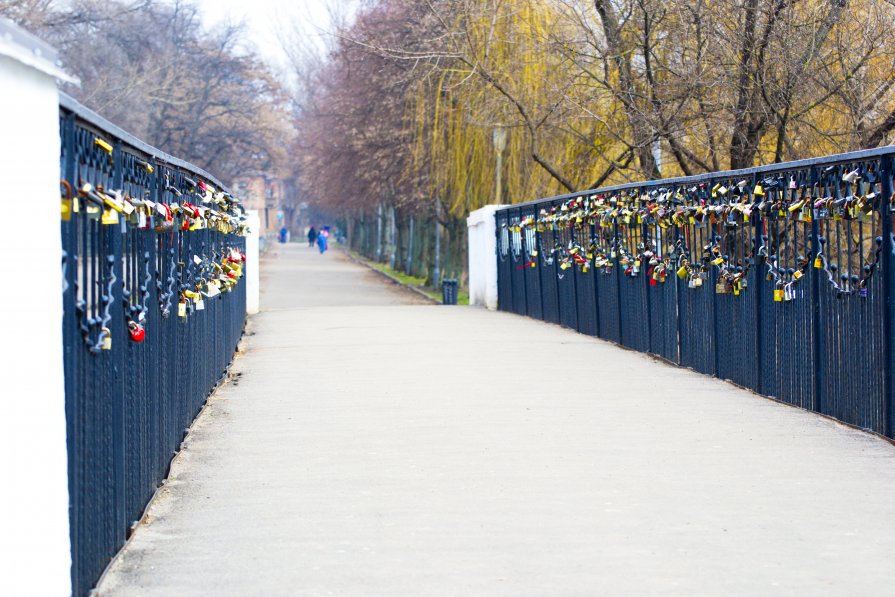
{"x":253,"y":263}
{"x":34,"y":537}
{"x":483,"y":256}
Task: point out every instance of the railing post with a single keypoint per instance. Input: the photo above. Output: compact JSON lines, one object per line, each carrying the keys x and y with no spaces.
{"x":644,"y":236}
{"x":716,"y":349}
{"x":818,"y":346}
{"x":593,"y":261}
{"x":556,"y":271}
{"x":525,"y":274}
{"x":618,"y":280}
{"x":33,"y":454}
{"x":757,"y":265}
{"x":115,"y":385}
{"x":886,"y":257}
{"x":575,"y":310}
{"x":253,"y":263}
{"x":677,"y":297}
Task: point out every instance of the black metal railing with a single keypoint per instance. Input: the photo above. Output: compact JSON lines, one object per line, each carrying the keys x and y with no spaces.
{"x":777,"y":278}
{"x":154,"y":306}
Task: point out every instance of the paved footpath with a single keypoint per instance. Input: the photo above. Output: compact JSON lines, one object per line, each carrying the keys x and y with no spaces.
{"x":371,"y":445}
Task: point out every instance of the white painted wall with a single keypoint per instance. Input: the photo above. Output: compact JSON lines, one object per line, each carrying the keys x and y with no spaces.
{"x":253,"y":263}
{"x":33,"y":458}
{"x":482,"y":237}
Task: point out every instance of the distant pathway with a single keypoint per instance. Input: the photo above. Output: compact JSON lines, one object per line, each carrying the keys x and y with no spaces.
{"x":376,"y":447}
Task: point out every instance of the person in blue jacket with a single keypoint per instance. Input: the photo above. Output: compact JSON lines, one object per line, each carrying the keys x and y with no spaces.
{"x":321,"y":243}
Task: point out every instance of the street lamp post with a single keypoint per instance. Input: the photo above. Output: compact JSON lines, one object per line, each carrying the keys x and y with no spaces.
{"x":500,"y":143}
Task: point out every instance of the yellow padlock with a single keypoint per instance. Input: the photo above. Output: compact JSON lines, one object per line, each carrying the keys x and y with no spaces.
{"x":104,"y":145}
{"x":110,"y":216}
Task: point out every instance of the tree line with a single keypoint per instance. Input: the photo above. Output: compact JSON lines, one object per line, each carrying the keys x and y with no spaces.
{"x":409,"y":106}
{"x":418,"y":112}
{"x":155,"y":70}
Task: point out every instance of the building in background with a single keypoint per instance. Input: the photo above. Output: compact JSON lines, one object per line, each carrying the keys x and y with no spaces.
{"x":277,"y":202}
{"x":262,"y":193}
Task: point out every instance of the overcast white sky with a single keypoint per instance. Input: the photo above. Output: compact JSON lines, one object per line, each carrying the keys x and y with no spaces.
{"x":267,"y":20}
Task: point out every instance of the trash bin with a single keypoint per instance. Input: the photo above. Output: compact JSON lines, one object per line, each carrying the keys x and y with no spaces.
{"x":449,"y":291}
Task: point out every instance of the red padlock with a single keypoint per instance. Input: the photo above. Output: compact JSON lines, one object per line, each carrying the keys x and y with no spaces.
{"x":138,"y":334}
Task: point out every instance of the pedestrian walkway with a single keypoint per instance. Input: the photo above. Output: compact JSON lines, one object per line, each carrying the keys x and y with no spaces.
{"x":370,"y":445}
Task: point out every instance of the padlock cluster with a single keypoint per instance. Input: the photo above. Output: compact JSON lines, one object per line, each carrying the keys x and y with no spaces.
{"x":598,"y":229}
{"x":115,"y":207}
{"x":189,"y":282}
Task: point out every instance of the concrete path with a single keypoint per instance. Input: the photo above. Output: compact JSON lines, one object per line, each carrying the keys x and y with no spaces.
{"x":370,"y":446}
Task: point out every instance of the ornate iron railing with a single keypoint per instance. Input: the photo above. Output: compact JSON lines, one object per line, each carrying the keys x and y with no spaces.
{"x":777,"y":278}
{"x":154,"y":306}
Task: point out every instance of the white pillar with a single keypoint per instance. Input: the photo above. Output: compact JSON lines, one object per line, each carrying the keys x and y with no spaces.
{"x":34,"y":533}
{"x":482,"y":238}
{"x":253,"y":263}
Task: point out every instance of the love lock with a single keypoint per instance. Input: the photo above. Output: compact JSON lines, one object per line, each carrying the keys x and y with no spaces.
{"x":137,"y":332}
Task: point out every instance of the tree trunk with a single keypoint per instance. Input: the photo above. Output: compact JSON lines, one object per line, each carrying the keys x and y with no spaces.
{"x":408,"y":267}
{"x":392,"y":241}
{"x":379,"y":233}
{"x":436,"y":273}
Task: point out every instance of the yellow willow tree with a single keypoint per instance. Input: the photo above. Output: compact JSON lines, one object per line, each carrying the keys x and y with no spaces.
{"x":730,"y":83}
{"x":502,"y":73}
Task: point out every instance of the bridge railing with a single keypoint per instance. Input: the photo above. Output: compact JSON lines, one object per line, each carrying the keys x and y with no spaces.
{"x":777,"y":278}
{"x":154,"y":305}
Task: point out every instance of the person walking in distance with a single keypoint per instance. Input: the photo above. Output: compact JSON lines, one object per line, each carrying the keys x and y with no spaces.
{"x":312,"y":236}
{"x":321,"y":243}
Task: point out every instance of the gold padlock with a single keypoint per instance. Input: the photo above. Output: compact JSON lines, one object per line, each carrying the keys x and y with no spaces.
{"x":110,"y":216}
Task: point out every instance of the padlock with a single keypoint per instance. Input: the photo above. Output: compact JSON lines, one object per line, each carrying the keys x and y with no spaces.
{"x":778,"y":295}
{"x":165,"y":221}
{"x":850,"y":176}
{"x":67,"y":204}
{"x":104,"y":145}
{"x":106,"y":335}
{"x":818,"y":262}
{"x":137,"y":332}
{"x":110,"y":216}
